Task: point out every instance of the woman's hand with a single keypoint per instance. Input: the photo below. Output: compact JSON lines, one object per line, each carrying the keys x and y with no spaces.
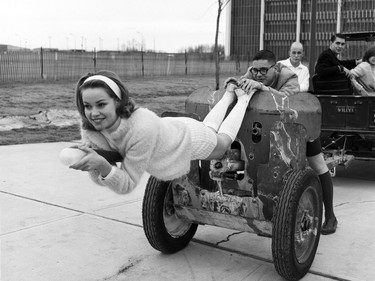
{"x":92,"y":161}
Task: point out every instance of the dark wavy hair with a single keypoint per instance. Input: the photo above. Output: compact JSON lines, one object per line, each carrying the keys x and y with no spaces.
{"x":337,"y":35}
{"x":265,"y":55}
{"x":125,"y":106}
{"x":369,"y":53}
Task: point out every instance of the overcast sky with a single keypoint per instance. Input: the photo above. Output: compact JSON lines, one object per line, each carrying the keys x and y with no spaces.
{"x":165,"y":25}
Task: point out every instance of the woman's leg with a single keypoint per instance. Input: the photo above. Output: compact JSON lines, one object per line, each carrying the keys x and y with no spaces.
{"x":216,"y":116}
{"x":318,"y":164}
{"x":231,"y":125}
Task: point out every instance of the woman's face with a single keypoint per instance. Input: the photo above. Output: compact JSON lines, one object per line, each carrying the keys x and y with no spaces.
{"x":100,"y":109}
{"x":371,"y":60}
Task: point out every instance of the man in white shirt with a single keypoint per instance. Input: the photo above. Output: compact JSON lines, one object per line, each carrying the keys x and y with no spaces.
{"x":295,"y":65}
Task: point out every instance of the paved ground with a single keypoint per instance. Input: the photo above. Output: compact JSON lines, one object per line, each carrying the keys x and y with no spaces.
{"x":57,"y":225}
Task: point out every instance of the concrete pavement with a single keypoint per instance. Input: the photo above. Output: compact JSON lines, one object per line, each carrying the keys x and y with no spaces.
{"x":58,"y":225}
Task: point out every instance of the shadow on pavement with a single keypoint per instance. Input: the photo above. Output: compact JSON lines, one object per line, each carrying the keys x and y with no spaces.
{"x":358,"y":169}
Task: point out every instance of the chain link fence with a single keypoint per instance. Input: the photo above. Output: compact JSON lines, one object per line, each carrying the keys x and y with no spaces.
{"x":45,"y":64}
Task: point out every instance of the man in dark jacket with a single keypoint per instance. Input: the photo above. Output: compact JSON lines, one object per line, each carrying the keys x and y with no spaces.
{"x":329,"y":66}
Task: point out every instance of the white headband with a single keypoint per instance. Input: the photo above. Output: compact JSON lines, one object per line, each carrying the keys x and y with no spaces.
{"x":114,"y":87}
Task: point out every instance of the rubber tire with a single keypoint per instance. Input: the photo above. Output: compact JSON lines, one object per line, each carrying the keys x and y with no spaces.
{"x":154,"y":200}
{"x":284,"y":224}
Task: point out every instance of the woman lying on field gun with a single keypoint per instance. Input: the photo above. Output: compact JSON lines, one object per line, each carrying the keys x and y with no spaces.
{"x":162,"y":147}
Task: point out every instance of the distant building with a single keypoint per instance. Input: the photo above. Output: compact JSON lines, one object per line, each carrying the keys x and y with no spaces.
{"x":275,"y":24}
{"x":7,"y":48}
{"x":45,"y":49}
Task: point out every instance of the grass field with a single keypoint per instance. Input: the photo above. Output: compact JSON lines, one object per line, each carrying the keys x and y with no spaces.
{"x":158,"y":94}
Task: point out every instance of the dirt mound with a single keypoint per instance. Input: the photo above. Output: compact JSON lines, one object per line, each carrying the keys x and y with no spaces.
{"x":50,"y":117}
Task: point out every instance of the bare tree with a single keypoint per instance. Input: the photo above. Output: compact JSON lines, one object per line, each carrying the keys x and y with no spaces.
{"x":221,"y":6}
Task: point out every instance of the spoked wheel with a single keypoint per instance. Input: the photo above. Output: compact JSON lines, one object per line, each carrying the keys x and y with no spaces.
{"x":296,"y":224}
{"x":165,"y":231}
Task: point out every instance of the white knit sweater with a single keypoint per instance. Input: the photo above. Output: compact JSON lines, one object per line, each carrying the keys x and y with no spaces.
{"x":160,"y":146}
{"x":365,"y":75}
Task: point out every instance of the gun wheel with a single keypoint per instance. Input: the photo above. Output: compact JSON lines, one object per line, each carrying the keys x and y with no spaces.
{"x":296,"y":224}
{"x":165,"y":231}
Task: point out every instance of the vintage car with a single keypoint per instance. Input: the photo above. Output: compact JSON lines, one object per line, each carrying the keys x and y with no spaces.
{"x":348,"y":119}
{"x":262,"y":185}
{"x":348,"y":125}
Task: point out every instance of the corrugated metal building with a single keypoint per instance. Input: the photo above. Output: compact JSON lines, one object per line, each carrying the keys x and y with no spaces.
{"x":286,"y":21}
